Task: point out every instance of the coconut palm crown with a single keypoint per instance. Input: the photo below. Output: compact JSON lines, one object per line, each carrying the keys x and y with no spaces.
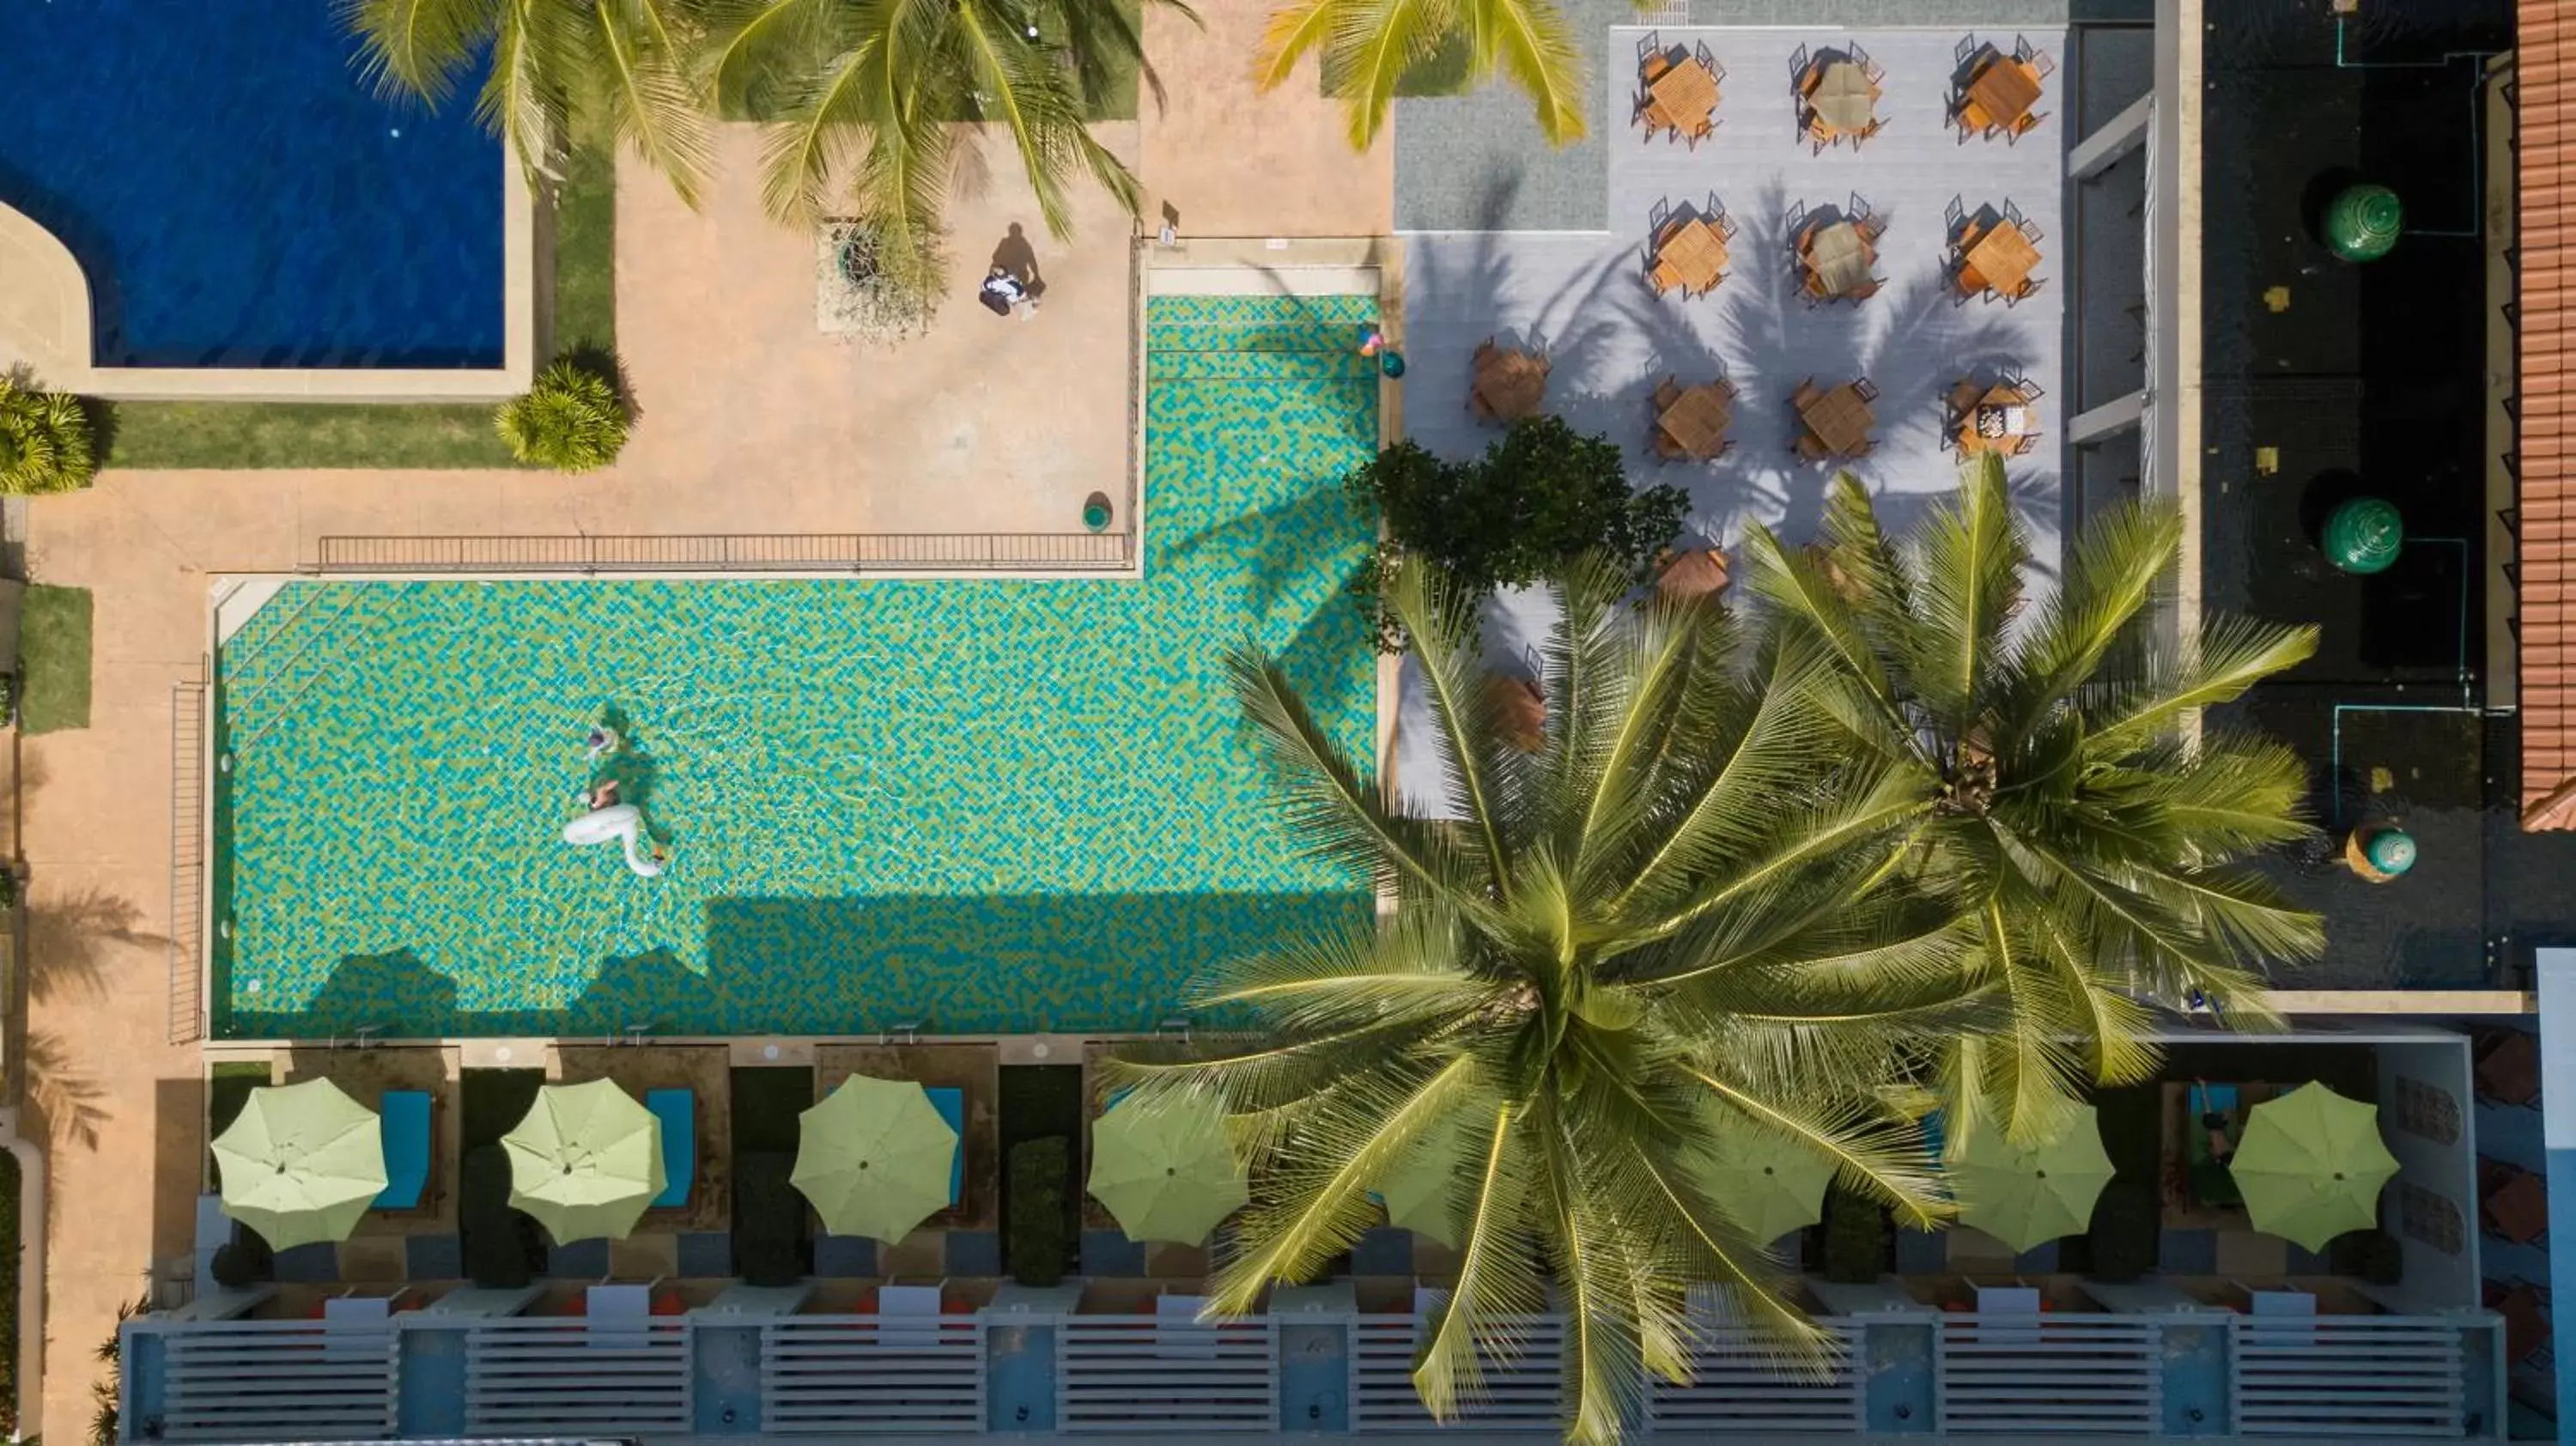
{"x":621,"y":67}
{"x":2094,"y":847}
{"x":1366,"y":46}
{"x":866,"y":98}
{"x":1682,"y":918}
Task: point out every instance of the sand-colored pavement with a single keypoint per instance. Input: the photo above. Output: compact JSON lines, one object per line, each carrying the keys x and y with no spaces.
{"x":752,"y":421}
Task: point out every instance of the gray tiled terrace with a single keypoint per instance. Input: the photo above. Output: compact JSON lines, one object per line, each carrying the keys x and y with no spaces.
{"x":1583,"y":298}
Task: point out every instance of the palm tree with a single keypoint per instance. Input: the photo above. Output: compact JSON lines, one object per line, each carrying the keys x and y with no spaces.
{"x":1367,"y":46}
{"x":1681,"y":920}
{"x":867,"y":95}
{"x":2093,"y":846}
{"x":612,"y":67}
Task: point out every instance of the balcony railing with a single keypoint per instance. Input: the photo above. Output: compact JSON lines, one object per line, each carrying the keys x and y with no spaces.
{"x":1334,"y":1372}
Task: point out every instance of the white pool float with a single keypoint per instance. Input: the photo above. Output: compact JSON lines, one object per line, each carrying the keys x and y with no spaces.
{"x":622,"y":823}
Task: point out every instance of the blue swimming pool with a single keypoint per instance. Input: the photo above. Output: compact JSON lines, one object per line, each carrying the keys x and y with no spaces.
{"x":237,"y":194}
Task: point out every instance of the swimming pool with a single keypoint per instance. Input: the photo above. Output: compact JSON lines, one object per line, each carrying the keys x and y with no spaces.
{"x":986,"y":806}
{"x":238,"y":197}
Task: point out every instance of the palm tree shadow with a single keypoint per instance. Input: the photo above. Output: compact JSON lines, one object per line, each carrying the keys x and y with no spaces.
{"x":67,"y":1103}
{"x":70,"y":940}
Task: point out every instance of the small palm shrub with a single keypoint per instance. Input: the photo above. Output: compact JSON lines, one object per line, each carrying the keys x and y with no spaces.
{"x":572,"y":420}
{"x":44,"y":442}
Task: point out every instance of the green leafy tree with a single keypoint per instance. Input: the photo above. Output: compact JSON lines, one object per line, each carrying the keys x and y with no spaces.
{"x":1367,"y":46}
{"x":2095,"y":850}
{"x":610,"y":67}
{"x":572,"y":420}
{"x":44,"y":442}
{"x":1684,"y":918}
{"x":1541,"y":496}
{"x":867,"y":97}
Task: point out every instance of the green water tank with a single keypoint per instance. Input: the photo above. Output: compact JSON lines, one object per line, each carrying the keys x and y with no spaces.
{"x":2362,"y":222}
{"x":2364,"y":535}
{"x":1095,"y":511}
{"x":1391,"y":363}
{"x":2391,"y":851}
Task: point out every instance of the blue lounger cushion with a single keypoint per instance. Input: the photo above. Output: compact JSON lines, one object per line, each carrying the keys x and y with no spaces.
{"x":951,"y":1104}
{"x":678,"y":1112}
{"x":404,"y":1117}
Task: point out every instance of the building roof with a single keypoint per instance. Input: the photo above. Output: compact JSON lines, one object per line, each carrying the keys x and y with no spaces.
{"x":2545,"y":188}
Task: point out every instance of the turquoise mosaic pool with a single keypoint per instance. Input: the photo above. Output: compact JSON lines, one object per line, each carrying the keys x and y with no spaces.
{"x":978,"y":806}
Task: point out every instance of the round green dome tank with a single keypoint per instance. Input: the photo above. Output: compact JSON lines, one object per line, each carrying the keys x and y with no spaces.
{"x":2364,"y":535}
{"x":2391,"y":851}
{"x":2362,"y":222}
{"x":1095,"y":511}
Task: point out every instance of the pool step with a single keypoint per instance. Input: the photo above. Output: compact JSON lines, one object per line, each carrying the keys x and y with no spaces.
{"x":1261,"y":310}
{"x":1218,"y":366}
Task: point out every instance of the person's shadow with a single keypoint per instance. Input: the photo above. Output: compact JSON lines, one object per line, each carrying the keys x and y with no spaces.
{"x":1016,"y":256}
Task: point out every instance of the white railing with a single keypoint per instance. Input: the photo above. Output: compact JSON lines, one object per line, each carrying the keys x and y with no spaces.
{"x":1740,"y":1383}
{"x":2346,"y":1376}
{"x":562,"y":1377}
{"x":864,"y":1373}
{"x":1522,"y":1389}
{"x":2051,"y":1374}
{"x":1139,"y":1373}
{"x":278,"y":1380}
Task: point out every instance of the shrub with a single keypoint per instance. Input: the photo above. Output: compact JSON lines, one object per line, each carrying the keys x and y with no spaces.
{"x":1542,"y":495}
{"x":572,"y":420}
{"x":2370,"y":1255}
{"x":770,"y":1239}
{"x":500,"y":1247}
{"x":44,"y":442}
{"x":2123,"y":1235}
{"x":1855,"y":1238}
{"x":1038,"y":1242}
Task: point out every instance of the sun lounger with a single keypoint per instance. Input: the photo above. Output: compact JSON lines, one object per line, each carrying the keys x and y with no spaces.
{"x":678,"y":1112}
{"x":951,"y":1104}
{"x":908,"y":1315}
{"x":618,"y":1317}
{"x":405,"y":1117}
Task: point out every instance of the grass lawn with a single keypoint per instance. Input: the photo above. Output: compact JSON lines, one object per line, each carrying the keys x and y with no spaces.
{"x":236,"y":435}
{"x":53,"y":658}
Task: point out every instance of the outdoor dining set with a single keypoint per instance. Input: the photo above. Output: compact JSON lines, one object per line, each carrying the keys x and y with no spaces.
{"x":1997,"y":411}
{"x":1834,"y":91}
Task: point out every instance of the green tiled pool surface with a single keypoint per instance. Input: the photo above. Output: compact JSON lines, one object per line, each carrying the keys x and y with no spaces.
{"x":983,"y":806}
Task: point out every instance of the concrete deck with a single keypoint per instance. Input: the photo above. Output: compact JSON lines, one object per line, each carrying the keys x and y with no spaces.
{"x":752,"y":421}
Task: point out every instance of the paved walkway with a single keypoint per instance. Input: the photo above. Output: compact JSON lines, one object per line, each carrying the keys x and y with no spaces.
{"x":752,"y":422}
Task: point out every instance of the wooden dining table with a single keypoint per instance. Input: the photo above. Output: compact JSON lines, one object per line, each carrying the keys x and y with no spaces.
{"x":1841,"y":256}
{"x":2001,"y":92}
{"x":1971,"y":405}
{"x":1509,"y":384}
{"x":2000,"y":259}
{"x":1696,"y":418}
{"x":1682,"y":98}
{"x":1695,"y":252}
{"x":1843,"y":97}
{"x":1838,"y":419}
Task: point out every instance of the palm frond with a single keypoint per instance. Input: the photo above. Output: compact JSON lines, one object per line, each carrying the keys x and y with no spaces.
{"x":1481,"y":768}
{"x":2233,"y":655}
{"x":1532,"y":44}
{"x":1963,"y":571}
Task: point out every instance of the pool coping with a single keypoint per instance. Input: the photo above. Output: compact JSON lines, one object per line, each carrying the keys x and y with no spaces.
{"x":45,"y":322}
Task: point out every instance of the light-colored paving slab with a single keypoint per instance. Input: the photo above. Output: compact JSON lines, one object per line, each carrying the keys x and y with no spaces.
{"x":1583,"y":298}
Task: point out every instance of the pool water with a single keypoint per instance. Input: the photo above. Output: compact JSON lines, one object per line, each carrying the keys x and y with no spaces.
{"x":238,"y":196}
{"x":981,"y":806}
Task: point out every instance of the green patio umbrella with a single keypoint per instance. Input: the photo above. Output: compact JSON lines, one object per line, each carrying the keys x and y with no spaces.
{"x":1418,"y":1197}
{"x":586,"y":1161}
{"x":1165,"y":1169}
{"x":875,"y":1158}
{"x":301,"y":1164}
{"x":2311,"y":1166}
{"x":1766,"y":1182}
{"x":2028,"y":1195}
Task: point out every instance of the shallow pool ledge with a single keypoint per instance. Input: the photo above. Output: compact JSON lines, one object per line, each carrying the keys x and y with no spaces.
{"x":45,"y":324}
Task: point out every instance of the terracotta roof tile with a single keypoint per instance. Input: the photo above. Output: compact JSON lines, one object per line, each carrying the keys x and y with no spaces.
{"x":2545,"y":227}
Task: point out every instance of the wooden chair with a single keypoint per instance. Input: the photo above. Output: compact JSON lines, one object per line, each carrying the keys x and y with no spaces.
{"x":1708,"y":62}
{"x":1964,"y":51}
{"x":1865,"y":389}
{"x":2029,"y":122}
{"x":2029,"y":288}
{"x":1955,"y":215}
{"x":1652,"y":58}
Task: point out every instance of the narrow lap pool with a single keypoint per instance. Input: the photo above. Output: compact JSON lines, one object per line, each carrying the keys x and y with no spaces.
{"x":986,"y":806}
{"x":238,"y":197}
